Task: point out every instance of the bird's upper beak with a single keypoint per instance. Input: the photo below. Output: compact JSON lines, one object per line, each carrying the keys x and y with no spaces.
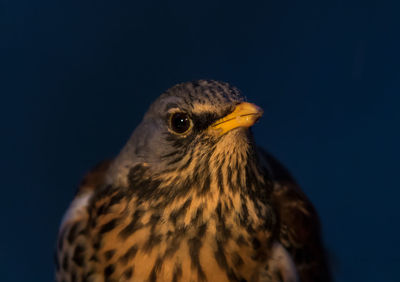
{"x":244,"y":115}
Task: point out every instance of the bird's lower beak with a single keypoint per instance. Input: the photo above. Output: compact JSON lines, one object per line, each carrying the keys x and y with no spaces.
{"x":244,"y":115}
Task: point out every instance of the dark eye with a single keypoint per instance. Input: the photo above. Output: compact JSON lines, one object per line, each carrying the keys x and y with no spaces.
{"x":180,"y":123}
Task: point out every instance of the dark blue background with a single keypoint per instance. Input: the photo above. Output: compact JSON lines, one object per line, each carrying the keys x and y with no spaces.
{"x":77,"y":76}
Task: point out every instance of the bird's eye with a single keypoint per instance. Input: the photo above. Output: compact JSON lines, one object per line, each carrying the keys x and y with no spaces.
{"x":180,"y":123}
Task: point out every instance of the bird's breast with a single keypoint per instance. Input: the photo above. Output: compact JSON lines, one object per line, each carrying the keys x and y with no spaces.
{"x":190,"y":239}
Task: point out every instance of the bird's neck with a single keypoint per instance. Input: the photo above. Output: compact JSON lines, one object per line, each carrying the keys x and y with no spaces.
{"x":214,"y":186}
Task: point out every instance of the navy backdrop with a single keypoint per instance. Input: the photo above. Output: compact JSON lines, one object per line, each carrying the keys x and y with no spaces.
{"x":77,"y":76}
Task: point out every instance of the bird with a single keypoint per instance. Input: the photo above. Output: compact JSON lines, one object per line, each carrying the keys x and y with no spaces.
{"x":191,"y":197}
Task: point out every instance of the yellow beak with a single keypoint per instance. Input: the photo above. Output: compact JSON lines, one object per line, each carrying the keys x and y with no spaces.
{"x":244,"y":115}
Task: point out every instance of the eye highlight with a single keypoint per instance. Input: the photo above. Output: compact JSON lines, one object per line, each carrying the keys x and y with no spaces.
{"x":180,"y":123}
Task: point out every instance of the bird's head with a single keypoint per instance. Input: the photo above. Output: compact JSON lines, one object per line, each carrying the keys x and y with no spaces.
{"x":193,"y":128}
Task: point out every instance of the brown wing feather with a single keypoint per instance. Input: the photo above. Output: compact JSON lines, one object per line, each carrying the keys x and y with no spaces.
{"x":299,"y":224}
{"x":94,"y":178}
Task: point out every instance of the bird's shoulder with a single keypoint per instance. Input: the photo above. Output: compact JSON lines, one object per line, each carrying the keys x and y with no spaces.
{"x":88,"y":187}
{"x":74,"y":242}
{"x":294,"y":208}
{"x":299,"y":228}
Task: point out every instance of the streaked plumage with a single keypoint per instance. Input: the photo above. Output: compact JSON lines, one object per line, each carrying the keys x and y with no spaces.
{"x":191,"y":198}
